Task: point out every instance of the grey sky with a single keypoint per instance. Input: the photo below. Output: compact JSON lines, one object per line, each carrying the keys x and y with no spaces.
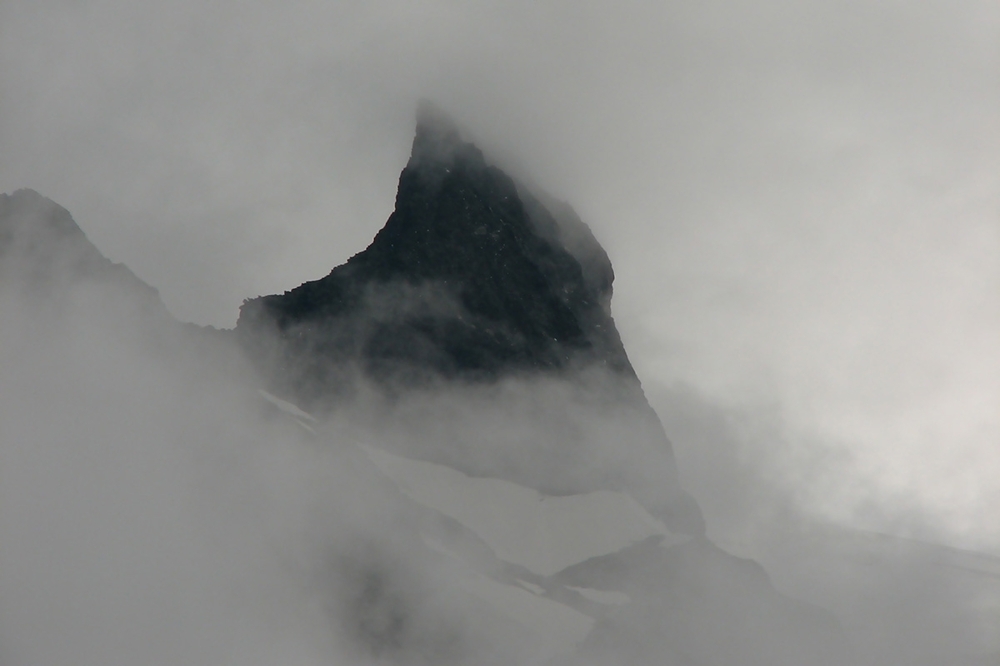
{"x":801,"y":199}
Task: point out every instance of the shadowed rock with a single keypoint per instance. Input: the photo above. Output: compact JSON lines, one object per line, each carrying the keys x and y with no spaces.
{"x":471,"y":278}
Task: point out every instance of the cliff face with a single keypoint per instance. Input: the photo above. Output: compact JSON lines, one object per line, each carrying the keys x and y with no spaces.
{"x":470,"y":278}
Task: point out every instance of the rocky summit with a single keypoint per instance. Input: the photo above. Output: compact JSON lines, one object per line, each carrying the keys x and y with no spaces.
{"x":472,"y":277}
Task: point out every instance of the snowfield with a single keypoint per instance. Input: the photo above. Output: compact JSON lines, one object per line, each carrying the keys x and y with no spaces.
{"x":544,"y":534}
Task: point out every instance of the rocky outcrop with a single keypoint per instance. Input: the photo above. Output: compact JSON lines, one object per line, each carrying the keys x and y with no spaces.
{"x":471,"y":278}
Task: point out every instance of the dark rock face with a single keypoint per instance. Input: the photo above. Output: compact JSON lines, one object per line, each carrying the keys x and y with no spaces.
{"x":470,"y":278}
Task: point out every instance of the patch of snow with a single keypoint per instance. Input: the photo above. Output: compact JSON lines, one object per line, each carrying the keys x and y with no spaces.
{"x":440,"y":548}
{"x":531,"y":587}
{"x":556,"y":626}
{"x":544,"y":534}
{"x":302,"y":418}
{"x":287,"y":407}
{"x":560,"y":627}
{"x":305,"y":426}
{"x":609,"y":597}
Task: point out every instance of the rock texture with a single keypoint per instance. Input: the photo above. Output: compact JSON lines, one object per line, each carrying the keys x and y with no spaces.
{"x":471,"y":278}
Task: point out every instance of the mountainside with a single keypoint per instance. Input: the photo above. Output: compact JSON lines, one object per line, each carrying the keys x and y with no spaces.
{"x":471,"y":278}
{"x":43,"y":251}
{"x":52,"y":273}
{"x":459,"y":466}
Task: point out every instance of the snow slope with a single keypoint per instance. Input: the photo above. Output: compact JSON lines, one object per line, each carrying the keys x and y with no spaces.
{"x":544,"y":534}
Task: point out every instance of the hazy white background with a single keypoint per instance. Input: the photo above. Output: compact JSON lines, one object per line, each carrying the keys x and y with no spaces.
{"x":801,"y":199}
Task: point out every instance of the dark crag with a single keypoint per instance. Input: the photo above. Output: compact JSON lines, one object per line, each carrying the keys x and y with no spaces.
{"x":470,"y":278}
{"x":496,"y":298}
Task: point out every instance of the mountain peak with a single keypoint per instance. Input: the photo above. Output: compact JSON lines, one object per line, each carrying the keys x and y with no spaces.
{"x":471,"y":277}
{"x":474,"y":284}
{"x":437,"y":139}
{"x":439,"y":148}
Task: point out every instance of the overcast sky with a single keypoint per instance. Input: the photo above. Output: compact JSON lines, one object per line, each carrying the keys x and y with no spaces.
{"x":801,"y":199}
